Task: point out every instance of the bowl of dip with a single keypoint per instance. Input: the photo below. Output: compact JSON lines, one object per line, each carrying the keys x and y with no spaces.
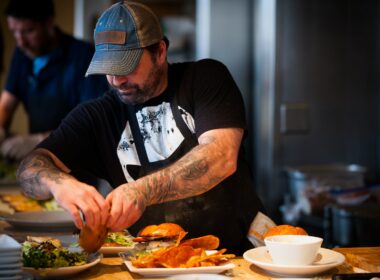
{"x":293,"y":249}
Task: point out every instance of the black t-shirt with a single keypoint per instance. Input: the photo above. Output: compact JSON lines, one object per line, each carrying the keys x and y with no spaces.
{"x":96,"y":138}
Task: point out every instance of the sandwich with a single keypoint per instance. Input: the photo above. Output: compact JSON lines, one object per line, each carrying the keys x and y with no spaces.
{"x":154,"y":237}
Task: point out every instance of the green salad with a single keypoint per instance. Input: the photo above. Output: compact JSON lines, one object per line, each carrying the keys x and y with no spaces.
{"x":120,"y":238}
{"x":49,"y":254}
{"x":7,"y":169}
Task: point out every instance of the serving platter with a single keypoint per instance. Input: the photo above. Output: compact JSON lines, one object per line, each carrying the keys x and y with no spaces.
{"x":327,"y":259}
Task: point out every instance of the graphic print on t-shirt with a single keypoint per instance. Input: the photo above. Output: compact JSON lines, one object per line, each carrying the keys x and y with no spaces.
{"x":160,"y":134}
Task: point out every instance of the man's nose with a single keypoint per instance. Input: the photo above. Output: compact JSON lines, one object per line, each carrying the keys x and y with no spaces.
{"x":118,"y":80}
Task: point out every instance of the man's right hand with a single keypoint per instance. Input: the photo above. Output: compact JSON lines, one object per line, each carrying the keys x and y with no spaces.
{"x":2,"y":135}
{"x":75,"y":196}
{"x":42,"y":175}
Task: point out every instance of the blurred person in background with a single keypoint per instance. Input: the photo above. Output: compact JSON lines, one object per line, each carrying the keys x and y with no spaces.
{"x":46,"y":76}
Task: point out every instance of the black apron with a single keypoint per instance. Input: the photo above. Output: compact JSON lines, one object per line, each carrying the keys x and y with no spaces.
{"x":220,"y":211}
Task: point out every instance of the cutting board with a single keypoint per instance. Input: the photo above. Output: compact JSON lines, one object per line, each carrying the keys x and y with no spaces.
{"x":367,"y":258}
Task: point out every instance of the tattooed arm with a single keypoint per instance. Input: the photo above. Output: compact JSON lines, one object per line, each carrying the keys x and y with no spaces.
{"x":201,"y":169}
{"x":42,"y":175}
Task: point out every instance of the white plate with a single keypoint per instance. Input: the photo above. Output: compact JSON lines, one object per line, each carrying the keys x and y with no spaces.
{"x":63,"y":271}
{"x":114,"y":250}
{"x":326,"y":260}
{"x":14,"y":277}
{"x":46,"y":220}
{"x":10,"y":272}
{"x":11,"y":265}
{"x":157,"y":272}
{"x":9,"y":245}
{"x":6,"y":260}
{"x":199,"y":277}
{"x":11,"y":254}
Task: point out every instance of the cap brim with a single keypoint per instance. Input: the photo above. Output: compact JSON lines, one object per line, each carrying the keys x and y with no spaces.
{"x":114,"y":62}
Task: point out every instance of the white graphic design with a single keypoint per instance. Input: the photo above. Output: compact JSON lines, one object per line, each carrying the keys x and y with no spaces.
{"x":160,"y":134}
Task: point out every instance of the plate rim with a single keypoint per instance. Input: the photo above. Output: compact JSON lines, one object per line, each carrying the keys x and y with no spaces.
{"x":296,"y":269}
{"x":107,"y":250}
{"x":163,"y":271}
{"x":17,"y":220}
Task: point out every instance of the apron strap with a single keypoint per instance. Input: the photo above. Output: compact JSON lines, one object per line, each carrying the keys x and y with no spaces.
{"x":187,"y":134}
{"x":139,"y":141}
{"x":182,"y":126}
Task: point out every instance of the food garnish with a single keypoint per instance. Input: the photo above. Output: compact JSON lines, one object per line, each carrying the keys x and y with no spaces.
{"x":47,"y":252}
{"x":119,"y":239}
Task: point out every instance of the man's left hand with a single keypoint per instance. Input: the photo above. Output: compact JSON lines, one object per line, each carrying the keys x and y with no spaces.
{"x":127,"y":206}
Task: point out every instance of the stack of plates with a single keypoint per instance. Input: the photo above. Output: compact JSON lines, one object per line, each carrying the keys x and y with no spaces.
{"x":10,"y":258}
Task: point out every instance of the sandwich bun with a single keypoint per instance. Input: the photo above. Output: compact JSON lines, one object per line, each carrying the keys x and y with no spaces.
{"x":164,"y":230}
{"x":285,"y":229}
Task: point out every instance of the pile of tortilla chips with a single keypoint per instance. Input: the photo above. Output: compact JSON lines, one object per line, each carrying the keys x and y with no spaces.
{"x":189,"y":253}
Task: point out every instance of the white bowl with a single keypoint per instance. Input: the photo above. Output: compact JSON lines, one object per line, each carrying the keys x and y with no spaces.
{"x":293,"y":249}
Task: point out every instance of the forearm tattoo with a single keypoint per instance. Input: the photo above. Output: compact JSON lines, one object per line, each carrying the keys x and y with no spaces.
{"x":188,"y":177}
{"x":35,"y":169}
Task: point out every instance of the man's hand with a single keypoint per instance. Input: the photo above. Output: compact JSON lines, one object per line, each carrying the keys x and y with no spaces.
{"x":2,"y":135}
{"x":75,"y":196}
{"x":19,"y":146}
{"x":127,"y":206}
{"x":42,"y":175}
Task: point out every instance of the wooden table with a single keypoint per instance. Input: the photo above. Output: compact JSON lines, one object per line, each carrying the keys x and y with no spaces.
{"x":113,"y":268}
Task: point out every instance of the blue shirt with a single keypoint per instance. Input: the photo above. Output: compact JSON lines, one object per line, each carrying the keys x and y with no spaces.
{"x":58,"y":87}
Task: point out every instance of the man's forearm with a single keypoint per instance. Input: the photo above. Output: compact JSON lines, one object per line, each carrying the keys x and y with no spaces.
{"x":35,"y":171}
{"x":197,"y":172}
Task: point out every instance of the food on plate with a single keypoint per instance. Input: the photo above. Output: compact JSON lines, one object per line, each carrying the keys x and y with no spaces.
{"x":8,"y":169}
{"x":161,"y":231}
{"x":153,"y":237}
{"x":285,"y":229}
{"x":116,"y":239}
{"x":21,"y":203}
{"x":47,"y":252}
{"x":184,"y":254}
{"x":208,"y":242}
{"x":91,"y":240}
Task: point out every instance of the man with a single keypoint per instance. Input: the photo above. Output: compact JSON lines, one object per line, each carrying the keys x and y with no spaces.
{"x":167,"y":138}
{"x":46,"y":75}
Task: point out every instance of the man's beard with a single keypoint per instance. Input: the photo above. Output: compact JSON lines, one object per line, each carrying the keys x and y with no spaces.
{"x":144,"y":92}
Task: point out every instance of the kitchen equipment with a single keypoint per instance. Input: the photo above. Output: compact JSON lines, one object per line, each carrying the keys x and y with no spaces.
{"x":351,"y":226}
{"x":330,"y":176}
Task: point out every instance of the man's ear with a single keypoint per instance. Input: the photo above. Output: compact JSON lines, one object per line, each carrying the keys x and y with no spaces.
{"x":50,"y":23}
{"x":162,"y":52}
